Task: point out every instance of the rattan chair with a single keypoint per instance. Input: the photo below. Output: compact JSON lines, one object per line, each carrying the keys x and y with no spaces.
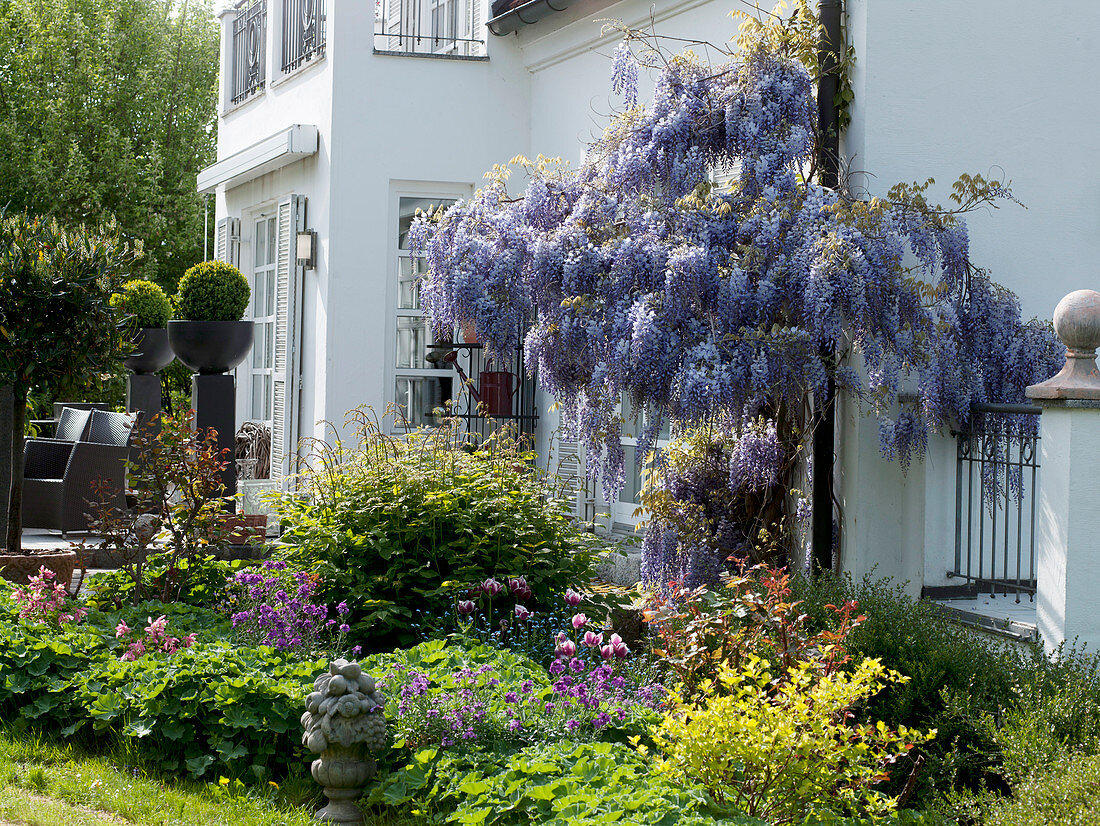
{"x":58,"y":474}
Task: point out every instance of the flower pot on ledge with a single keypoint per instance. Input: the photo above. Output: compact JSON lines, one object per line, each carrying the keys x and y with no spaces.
{"x":211,"y":347}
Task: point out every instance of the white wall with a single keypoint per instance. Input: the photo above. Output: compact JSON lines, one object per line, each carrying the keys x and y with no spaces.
{"x":996,"y":87}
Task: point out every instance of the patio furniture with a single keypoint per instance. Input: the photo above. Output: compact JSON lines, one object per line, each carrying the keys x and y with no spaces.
{"x":58,"y":473}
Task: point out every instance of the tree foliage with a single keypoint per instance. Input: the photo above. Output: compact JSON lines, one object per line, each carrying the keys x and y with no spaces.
{"x":108,"y":109}
{"x":635,"y":277}
{"x":56,"y":320}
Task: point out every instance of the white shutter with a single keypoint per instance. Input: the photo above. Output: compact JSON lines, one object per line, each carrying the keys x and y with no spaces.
{"x":227,"y":241}
{"x":398,"y":11}
{"x":221,"y":237}
{"x":288,"y":297}
{"x":474,"y":32}
{"x":573,"y":479}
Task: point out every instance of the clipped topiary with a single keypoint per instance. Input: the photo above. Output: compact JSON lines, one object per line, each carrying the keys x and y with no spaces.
{"x":145,"y":301}
{"x":213,"y":291}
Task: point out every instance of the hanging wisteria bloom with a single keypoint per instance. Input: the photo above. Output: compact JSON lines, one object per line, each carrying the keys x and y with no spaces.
{"x":724,"y":311}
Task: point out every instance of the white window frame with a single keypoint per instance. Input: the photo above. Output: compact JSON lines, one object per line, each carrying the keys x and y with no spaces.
{"x":622,"y":512}
{"x":267,"y":214}
{"x":436,"y":192}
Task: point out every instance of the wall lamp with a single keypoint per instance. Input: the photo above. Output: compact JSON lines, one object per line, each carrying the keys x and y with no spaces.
{"x":307,"y":249}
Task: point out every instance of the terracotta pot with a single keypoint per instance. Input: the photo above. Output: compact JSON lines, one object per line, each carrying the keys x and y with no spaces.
{"x":246,"y":528}
{"x":19,"y":568}
{"x":469,"y":333}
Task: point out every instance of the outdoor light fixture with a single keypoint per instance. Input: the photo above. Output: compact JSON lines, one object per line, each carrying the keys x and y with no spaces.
{"x":307,"y":249}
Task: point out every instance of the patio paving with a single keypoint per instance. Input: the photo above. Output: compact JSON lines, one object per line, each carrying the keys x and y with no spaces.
{"x":43,"y":539}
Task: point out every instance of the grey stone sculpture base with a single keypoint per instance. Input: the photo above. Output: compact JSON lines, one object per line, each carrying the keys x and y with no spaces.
{"x":343,"y":772}
{"x":214,"y":399}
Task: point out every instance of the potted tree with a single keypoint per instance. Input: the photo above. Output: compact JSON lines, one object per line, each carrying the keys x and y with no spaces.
{"x":149,"y":310}
{"x":209,"y":336}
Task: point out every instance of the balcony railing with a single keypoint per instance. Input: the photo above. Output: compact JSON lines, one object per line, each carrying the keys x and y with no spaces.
{"x":249,"y":50}
{"x":303,"y":32}
{"x":997,"y":482}
{"x":431,"y":27}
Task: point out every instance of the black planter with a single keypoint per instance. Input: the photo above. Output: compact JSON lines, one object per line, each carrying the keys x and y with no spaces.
{"x":152,"y":352}
{"x":208,"y":347}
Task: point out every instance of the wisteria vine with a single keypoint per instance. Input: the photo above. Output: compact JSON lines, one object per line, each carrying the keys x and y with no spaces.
{"x":633,"y":276}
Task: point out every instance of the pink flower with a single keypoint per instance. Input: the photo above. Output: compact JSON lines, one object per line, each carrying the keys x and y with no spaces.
{"x":607,"y":651}
{"x":519,"y":588}
{"x":121,"y":630}
{"x":491,"y":587}
{"x":572,"y":597}
{"x":565,"y":648}
{"x":592,"y":639}
{"x":579,"y":621}
{"x":156,"y":627}
{"x":188,"y":641}
{"x":619,"y":647}
{"x":522,"y":613}
{"x":465,"y":607}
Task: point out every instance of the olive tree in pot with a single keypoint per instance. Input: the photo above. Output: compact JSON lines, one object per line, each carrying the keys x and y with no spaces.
{"x":210,"y":339}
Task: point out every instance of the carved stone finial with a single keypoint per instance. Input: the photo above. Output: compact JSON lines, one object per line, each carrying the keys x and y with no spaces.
{"x":1077,"y":322}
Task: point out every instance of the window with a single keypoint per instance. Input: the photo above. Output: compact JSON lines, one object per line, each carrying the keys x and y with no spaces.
{"x":249,"y":51}
{"x":623,"y":510}
{"x":421,"y":387}
{"x":261,"y":310}
{"x":303,"y":32}
{"x":450,"y":27}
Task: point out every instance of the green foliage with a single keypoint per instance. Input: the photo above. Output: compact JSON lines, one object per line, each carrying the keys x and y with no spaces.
{"x":213,"y":291}
{"x":781,"y":749}
{"x":57,"y":326}
{"x":214,"y":707}
{"x":199,"y":581}
{"x":396,"y":523}
{"x":110,"y":110}
{"x":145,"y":301}
{"x":561,"y":784}
{"x":1063,"y":794}
{"x":180,"y":498}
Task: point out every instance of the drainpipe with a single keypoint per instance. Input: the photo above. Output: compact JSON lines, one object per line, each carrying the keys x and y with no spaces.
{"x":829,"y":48}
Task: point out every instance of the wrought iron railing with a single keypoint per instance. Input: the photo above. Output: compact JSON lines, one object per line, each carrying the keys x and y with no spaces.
{"x":996,"y":486}
{"x":431,"y":27}
{"x":249,"y":50}
{"x":303,"y":32}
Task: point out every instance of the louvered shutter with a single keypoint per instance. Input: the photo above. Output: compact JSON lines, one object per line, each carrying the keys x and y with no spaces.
{"x":400,"y":15}
{"x":227,"y":241}
{"x":288,"y":292}
{"x":475,"y":27}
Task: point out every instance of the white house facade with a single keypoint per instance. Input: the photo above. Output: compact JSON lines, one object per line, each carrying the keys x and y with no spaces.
{"x":342,"y":117}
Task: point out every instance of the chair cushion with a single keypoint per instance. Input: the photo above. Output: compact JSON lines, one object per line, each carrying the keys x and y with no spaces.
{"x":110,"y":428}
{"x":73,"y":424}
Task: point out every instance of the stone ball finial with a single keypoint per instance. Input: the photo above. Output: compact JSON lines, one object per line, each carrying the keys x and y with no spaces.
{"x":1077,"y":321}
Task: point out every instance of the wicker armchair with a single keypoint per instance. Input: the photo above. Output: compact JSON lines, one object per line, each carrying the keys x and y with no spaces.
{"x":58,"y":473}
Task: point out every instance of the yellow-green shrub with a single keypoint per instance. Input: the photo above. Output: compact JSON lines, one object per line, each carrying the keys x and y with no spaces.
{"x":780,"y":747}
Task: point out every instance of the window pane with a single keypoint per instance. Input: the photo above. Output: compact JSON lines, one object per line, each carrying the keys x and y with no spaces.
{"x":407,"y":211}
{"x":633,"y":485}
{"x":269,"y":307}
{"x":260,"y":245}
{"x":412,"y":341}
{"x":258,"y":345}
{"x":269,"y":385}
{"x":271,"y":238}
{"x":419,"y":398}
{"x":258,"y":398}
{"x":269,"y":341}
{"x":409,"y":271}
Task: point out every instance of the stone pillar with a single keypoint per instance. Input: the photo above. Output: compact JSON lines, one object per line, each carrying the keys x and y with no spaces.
{"x":1068,"y":535}
{"x":214,"y":400}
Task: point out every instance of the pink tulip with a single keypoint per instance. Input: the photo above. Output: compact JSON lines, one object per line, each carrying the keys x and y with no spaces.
{"x":465,"y":607}
{"x":522,"y":613}
{"x":572,"y":598}
{"x":592,"y":639}
{"x":579,"y":621}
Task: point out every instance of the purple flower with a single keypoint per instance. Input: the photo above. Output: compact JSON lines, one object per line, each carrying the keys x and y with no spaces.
{"x":357,"y":650}
{"x":344,"y":628}
{"x":522,"y":613}
{"x":465,"y":607}
{"x":519,"y":588}
{"x":342,"y":609}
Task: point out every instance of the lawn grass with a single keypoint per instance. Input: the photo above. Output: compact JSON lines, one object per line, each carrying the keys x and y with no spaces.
{"x":46,"y":783}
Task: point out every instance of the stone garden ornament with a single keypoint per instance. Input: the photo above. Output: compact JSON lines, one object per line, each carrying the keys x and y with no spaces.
{"x":343,"y":723}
